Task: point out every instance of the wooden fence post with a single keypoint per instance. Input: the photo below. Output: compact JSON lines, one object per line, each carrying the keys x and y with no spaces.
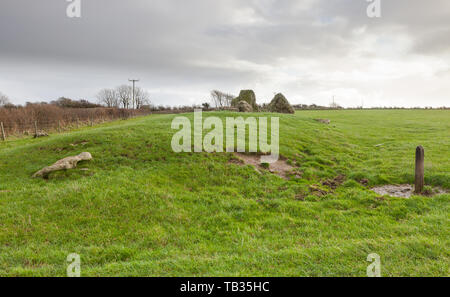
{"x":420,"y":168}
{"x":3,"y":132}
{"x":59,"y":126}
{"x":35,"y":128}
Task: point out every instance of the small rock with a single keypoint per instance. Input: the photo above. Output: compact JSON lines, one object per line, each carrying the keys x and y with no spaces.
{"x":40,"y":134}
{"x":323,"y":121}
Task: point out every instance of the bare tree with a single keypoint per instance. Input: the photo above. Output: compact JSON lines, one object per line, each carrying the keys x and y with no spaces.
{"x":141,"y":97}
{"x":108,"y":97}
{"x":125,"y":95}
{"x":221,"y":99}
{"x":4,"y":100}
{"x":228,"y":99}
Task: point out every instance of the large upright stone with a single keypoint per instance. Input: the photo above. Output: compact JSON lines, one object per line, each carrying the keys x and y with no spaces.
{"x":280,"y":104}
{"x":247,"y":96}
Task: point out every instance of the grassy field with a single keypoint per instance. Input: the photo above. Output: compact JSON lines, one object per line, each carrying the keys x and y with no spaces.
{"x":142,"y":210}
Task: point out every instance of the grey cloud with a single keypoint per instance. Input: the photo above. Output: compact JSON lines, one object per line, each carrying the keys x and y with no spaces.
{"x":201,"y":44}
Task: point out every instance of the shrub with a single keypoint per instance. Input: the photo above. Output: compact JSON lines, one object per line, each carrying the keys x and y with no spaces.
{"x":21,"y":120}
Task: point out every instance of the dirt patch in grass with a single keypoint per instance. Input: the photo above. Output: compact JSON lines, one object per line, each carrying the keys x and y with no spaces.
{"x":405,"y":191}
{"x":280,"y":167}
{"x":71,"y":145}
{"x":81,"y":142}
{"x":364,"y":182}
{"x":317,"y":191}
{"x":335,"y":182}
{"x":327,"y":186}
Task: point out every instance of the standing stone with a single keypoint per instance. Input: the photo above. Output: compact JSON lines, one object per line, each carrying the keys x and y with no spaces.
{"x":247,"y":96}
{"x":280,"y":104}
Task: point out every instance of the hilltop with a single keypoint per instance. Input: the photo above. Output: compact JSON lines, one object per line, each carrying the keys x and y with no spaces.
{"x":141,"y":209}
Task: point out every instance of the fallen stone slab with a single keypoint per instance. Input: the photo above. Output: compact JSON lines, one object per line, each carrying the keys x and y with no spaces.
{"x":63,"y":164}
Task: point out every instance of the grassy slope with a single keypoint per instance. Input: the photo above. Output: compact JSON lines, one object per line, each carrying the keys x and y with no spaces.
{"x":144,"y":210}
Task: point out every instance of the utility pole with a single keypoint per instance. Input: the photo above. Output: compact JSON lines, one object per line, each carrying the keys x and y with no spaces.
{"x":134,"y":81}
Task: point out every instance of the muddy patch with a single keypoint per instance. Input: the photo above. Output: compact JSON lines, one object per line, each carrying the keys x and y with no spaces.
{"x":82,"y":142}
{"x":404,"y":191}
{"x":364,"y":182}
{"x":334,"y":183}
{"x":317,"y":191}
{"x":280,"y":167}
{"x":327,"y":186}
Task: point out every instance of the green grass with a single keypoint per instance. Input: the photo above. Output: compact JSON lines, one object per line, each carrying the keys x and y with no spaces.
{"x":142,"y":210}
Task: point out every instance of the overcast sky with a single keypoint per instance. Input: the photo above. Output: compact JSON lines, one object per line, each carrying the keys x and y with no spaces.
{"x":309,"y":50}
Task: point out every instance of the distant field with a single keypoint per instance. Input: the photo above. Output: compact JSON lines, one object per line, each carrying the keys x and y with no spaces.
{"x":142,"y":210}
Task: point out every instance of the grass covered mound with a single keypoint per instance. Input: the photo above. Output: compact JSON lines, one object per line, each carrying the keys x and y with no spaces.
{"x":142,"y":210}
{"x":247,"y":96}
{"x":280,"y":104}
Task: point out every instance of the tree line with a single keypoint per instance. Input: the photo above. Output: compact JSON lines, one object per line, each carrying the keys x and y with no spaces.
{"x":122,"y":97}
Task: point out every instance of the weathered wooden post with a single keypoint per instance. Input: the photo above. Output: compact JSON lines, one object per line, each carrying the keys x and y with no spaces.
{"x":59,"y":126}
{"x":35,"y":128}
{"x":3,"y":132}
{"x":420,"y":168}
